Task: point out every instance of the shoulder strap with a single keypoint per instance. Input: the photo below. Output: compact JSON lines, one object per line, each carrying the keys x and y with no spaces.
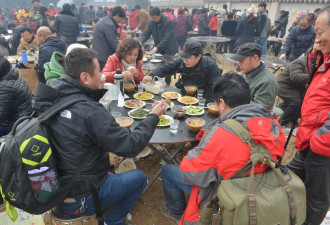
{"x":53,"y":110}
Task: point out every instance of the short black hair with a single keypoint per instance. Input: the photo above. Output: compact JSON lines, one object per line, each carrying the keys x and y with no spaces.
{"x":154,"y":11}
{"x":79,"y":60}
{"x":66,"y":7}
{"x":43,"y":10}
{"x":232,"y":88}
{"x":224,"y":6}
{"x":118,"y":10}
{"x":262,"y":4}
{"x":137,"y":7}
{"x":28,"y":29}
{"x":230,"y":15}
{"x":35,"y":1}
{"x":317,"y":10}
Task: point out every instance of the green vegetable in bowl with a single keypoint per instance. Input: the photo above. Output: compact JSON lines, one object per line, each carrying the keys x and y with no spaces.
{"x":163,"y":121}
{"x":139,"y":113}
{"x":194,"y":110}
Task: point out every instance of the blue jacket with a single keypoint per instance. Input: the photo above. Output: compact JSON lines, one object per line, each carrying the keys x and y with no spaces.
{"x":299,"y":41}
{"x":51,"y":44}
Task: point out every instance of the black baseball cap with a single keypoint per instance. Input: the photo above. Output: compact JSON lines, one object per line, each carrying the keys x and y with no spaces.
{"x":247,"y":49}
{"x":190,"y":48}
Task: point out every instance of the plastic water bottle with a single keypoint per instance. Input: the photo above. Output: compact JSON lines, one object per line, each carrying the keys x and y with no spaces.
{"x":24,"y":56}
{"x":119,"y":80}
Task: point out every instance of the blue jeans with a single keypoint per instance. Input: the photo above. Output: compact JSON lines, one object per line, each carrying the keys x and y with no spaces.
{"x":174,"y":189}
{"x":120,"y":191}
{"x":263,"y":43}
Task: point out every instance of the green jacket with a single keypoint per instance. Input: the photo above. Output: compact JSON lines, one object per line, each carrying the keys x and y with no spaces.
{"x":263,"y":86}
{"x":53,"y":69}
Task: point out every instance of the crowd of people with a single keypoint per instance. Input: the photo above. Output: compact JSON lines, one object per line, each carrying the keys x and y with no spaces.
{"x":71,"y":69}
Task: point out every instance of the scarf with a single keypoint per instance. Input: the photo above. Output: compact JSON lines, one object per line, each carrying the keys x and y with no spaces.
{"x":126,"y":64}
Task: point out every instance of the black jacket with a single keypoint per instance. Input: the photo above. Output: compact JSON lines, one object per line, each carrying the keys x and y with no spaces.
{"x":15,"y":96}
{"x":15,"y":40}
{"x":299,"y":41}
{"x":202,"y":75}
{"x":51,"y":44}
{"x":67,"y":25}
{"x":228,"y":28}
{"x":247,"y":31}
{"x":283,"y":24}
{"x":105,"y":38}
{"x":163,"y":34}
{"x":85,"y":133}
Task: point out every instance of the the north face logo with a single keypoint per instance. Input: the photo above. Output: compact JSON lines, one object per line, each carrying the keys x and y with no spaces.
{"x":260,"y":123}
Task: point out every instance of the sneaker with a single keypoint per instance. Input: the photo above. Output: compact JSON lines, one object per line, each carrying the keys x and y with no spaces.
{"x":164,"y":210}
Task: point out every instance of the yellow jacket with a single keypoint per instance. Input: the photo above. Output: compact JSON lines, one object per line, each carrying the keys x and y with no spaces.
{"x":26,"y":46}
{"x":22,"y":13}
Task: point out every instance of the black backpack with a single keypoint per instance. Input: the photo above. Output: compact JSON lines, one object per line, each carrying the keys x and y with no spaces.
{"x":28,"y":175}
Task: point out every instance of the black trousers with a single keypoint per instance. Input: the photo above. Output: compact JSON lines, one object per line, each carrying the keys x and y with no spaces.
{"x":314,"y":171}
{"x":181,"y":40}
{"x":291,"y":109}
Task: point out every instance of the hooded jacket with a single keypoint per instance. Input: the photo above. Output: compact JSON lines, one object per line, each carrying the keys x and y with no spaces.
{"x":221,"y":153}
{"x":299,"y":41}
{"x":113,"y":64}
{"x":202,"y":75}
{"x":163,"y":34}
{"x":105,"y":39}
{"x":85,"y":132}
{"x":67,"y":26}
{"x":53,"y":69}
{"x":314,"y":127}
{"x":50,"y":45}
{"x":15,"y":96}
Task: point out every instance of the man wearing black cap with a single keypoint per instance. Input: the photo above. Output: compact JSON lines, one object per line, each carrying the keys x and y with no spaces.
{"x":262,"y":82}
{"x":195,"y":69}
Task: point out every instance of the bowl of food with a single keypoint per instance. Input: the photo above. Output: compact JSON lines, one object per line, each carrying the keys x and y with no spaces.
{"x":129,"y":87}
{"x":213,"y":109}
{"x":195,"y":124}
{"x":179,"y":111}
{"x":190,"y":90}
{"x":126,"y":165}
{"x":125,"y":122}
{"x":139,"y":113}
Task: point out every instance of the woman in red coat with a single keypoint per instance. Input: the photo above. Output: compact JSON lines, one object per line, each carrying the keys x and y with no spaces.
{"x":214,"y":24}
{"x":129,"y":54}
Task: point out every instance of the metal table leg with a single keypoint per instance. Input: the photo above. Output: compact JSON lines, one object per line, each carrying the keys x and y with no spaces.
{"x":169,"y":160}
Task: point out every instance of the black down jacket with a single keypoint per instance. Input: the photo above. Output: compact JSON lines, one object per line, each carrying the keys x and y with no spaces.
{"x":67,"y":26}
{"x":15,"y":96}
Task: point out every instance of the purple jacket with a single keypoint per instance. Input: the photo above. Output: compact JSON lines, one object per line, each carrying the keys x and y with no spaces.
{"x":181,"y":23}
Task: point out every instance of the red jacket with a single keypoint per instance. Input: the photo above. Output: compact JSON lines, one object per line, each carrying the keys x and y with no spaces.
{"x":221,"y":153}
{"x":113,"y":64}
{"x":133,"y":20}
{"x":169,"y":14}
{"x":214,"y":23}
{"x":314,"y":127}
